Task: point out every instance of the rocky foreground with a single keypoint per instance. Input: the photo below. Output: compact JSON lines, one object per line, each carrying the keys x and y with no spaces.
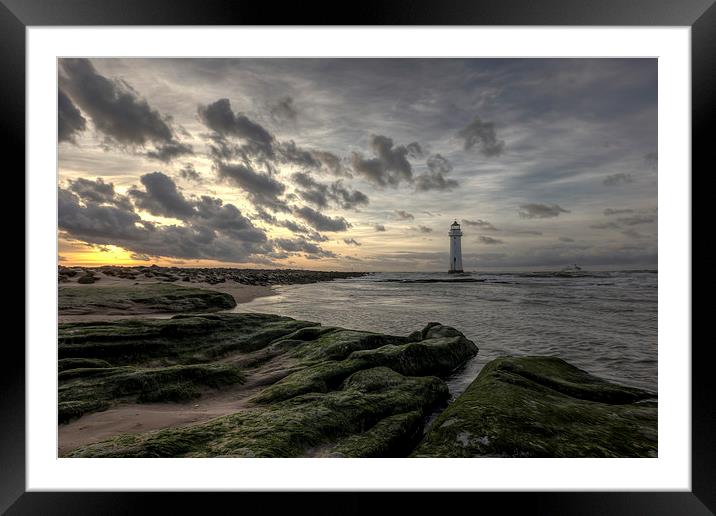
{"x":307,"y":390}
{"x":322,"y":391}
{"x":544,"y":407}
{"x":211,"y":275}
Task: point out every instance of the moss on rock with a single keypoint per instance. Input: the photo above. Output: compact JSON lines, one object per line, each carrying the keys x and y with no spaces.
{"x":543,"y":407}
{"x":75,"y":363}
{"x":89,"y":389}
{"x":431,"y":353}
{"x":351,"y":392}
{"x":366,"y":405}
{"x":181,"y":339}
{"x":146,"y":298}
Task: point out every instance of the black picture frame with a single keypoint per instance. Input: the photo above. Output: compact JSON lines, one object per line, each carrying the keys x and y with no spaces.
{"x":17,"y":15}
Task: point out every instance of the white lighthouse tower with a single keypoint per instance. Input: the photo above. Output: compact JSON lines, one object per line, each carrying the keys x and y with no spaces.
{"x":455,"y":248}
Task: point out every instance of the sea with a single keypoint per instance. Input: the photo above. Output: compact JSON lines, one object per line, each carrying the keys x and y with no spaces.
{"x":602,"y":322}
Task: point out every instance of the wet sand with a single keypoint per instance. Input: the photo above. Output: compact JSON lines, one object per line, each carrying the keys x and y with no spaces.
{"x":132,"y":418}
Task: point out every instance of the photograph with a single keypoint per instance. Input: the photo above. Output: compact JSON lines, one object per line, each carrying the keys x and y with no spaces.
{"x":357,"y":257}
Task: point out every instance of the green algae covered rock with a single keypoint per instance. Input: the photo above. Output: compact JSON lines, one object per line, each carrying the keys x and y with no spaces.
{"x":90,"y":389}
{"x":181,"y":339}
{"x":317,"y":391}
{"x":370,"y":414}
{"x":137,"y":299}
{"x":543,"y":407}
{"x":437,"y":350}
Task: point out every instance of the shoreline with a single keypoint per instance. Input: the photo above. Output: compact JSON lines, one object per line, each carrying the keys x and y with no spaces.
{"x":241,"y":293}
{"x":243,"y":285}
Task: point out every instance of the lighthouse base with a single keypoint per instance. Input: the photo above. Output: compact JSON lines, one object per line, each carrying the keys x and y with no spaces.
{"x":455,"y":272}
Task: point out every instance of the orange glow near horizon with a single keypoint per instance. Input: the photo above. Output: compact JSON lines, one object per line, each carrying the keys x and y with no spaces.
{"x":74,"y":255}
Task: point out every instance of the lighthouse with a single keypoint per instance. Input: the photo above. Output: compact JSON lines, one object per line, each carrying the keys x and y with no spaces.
{"x":455,"y":248}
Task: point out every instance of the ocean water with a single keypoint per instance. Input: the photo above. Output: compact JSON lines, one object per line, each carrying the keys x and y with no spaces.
{"x":602,"y":322}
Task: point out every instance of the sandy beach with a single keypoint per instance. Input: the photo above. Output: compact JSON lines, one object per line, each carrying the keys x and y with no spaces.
{"x":240,"y":292}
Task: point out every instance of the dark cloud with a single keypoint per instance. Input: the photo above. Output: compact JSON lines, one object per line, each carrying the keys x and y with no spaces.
{"x":214,"y":230}
{"x":482,"y":136}
{"x":94,"y":191}
{"x":301,"y":245}
{"x":310,"y":234}
{"x":632,"y":233}
{"x":379,"y":227}
{"x":566,"y":239}
{"x":613,"y":211}
{"x":321,"y":222}
{"x":404,"y":215}
{"x":424,"y":229}
{"x":284,"y":110}
{"x":227,"y":219}
{"x":331,"y":163}
{"x":620,"y":222}
{"x":311,"y":190}
{"x":161,"y":197}
{"x":351,"y":241}
{"x":139,"y":257}
{"x":540,"y":211}
{"x":346,"y":198}
{"x":219,"y":117}
{"x":291,"y":225}
{"x":636,"y":219}
{"x":489,"y":240}
{"x":189,"y":173}
{"x":293,"y":154}
{"x":618,"y":179}
{"x":70,"y":121}
{"x":168,"y":151}
{"x":262,"y":188}
{"x":321,"y":195}
{"x":518,"y":232}
{"x":414,"y":150}
{"x":390,"y":165}
{"x":435,"y":179}
{"x":605,"y":225}
{"x":265,"y":216}
{"x":94,"y":222}
{"x":483,"y":224}
{"x":652,"y":160}
{"x":117,"y":110}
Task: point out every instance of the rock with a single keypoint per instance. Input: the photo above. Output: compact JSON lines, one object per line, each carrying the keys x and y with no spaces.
{"x":88,"y":389}
{"x":336,"y":353}
{"x":303,"y":426}
{"x":76,"y":363}
{"x":324,"y":391}
{"x":217,"y":275}
{"x":543,"y":407}
{"x":147,"y":298}
{"x":87,"y":279}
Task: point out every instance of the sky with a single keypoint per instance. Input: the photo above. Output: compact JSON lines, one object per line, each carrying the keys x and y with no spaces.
{"x":358,"y":164}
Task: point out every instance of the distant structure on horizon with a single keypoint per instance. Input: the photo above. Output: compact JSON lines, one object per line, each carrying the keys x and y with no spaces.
{"x":455,"y":248}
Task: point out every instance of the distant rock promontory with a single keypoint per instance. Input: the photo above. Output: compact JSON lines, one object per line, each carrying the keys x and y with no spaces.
{"x":210,"y":275}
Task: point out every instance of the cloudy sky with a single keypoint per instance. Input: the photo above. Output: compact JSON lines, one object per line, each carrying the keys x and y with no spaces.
{"x":358,"y":164}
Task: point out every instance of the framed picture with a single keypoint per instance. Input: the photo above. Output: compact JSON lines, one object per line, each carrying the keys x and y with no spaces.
{"x":427,"y":248}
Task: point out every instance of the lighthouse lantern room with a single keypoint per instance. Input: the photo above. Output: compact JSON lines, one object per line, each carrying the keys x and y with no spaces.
{"x":455,"y":248}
